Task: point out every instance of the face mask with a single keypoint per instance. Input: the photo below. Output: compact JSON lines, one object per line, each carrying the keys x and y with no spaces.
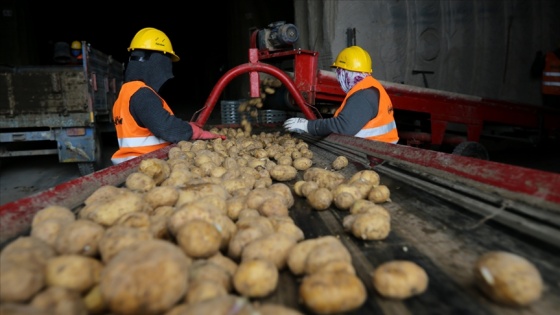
{"x":347,"y":79}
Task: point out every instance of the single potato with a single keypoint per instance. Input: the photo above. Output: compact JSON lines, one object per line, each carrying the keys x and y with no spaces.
{"x":508,"y":278}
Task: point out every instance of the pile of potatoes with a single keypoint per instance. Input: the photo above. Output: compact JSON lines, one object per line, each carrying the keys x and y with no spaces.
{"x":206,"y":231}
{"x":210,"y":222}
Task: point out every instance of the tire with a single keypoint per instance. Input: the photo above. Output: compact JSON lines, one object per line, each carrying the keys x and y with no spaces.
{"x":471,"y":149}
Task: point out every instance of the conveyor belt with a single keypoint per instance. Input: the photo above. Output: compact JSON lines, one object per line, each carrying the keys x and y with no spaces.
{"x":493,"y":203}
{"x":436,"y":228}
{"x":438,"y":221}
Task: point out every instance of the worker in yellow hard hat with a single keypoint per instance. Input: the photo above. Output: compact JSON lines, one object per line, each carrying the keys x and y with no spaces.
{"x":76,"y":50}
{"x":366,"y":111}
{"x":143,"y":120}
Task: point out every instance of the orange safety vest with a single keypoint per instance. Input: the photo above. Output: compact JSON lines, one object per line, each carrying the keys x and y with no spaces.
{"x":551,"y":75}
{"x":133,"y":139}
{"x":382,"y":127}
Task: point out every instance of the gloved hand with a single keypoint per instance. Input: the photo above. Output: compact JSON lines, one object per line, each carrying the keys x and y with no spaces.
{"x":201,"y":134}
{"x":296,"y":124}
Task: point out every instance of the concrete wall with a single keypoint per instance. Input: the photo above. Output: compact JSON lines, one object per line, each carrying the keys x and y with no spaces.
{"x":475,"y":47}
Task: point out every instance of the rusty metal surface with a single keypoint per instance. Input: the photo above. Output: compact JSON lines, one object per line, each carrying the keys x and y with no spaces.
{"x":528,"y":185}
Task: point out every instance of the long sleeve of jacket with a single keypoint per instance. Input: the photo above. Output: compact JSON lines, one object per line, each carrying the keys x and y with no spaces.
{"x":360,"y":108}
{"x":147,"y":110}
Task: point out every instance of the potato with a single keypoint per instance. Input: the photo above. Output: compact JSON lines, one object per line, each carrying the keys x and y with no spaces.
{"x":74,"y":272}
{"x":224,"y":262}
{"x":103,"y":193}
{"x":307,"y":187}
{"x":257,"y":196}
{"x":188,"y":212}
{"x":371,"y":226}
{"x":234,"y":205}
{"x":332,"y":292}
{"x":241,"y":238}
{"x":340,"y":162}
{"x":220,"y":305}
{"x":274,"y":205}
{"x":137,"y":220}
{"x":297,"y":187}
{"x":158,"y":227}
{"x":299,"y":253}
{"x":204,"y":270}
{"x":379,"y":194}
{"x":118,"y":237}
{"x":290,"y":229}
{"x":283,"y":173}
{"x":365,"y":176}
{"x":302,"y":163}
{"x":285,"y":191}
{"x":161,"y":196}
{"x":508,"y":278}
{"x":156,"y":270}
{"x":20,"y":309}
{"x":367,"y":206}
{"x":324,"y":253}
{"x":53,"y":212}
{"x":320,"y":199}
{"x":255,"y":278}
{"x":157,"y":169}
{"x":268,"y":308}
{"x":274,"y":247}
{"x":48,"y":230}
{"x":400,"y":279}
{"x":107,"y":211}
{"x":59,"y":301}
{"x":80,"y":237}
{"x":204,"y":290}
{"x":94,"y":301}
{"x":344,"y":202}
{"x":20,"y":281}
{"x":336,"y":266}
{"x":139,"y":182}
{"x":194,"y":192}
{"x":324,"y":178}
{"x":27,"y":249}
{"x":199,"y":238}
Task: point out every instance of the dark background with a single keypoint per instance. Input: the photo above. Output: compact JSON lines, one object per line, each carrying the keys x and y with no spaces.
{"x":210,"y":37}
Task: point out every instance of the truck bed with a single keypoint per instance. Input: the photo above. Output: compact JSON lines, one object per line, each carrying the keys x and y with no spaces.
{"x":440,"y":221}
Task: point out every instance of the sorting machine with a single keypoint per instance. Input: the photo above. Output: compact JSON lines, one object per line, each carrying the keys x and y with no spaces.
{"x":446,"y":209}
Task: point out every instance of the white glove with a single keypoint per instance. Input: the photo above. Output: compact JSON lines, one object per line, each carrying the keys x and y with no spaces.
{"x":298,"y":125}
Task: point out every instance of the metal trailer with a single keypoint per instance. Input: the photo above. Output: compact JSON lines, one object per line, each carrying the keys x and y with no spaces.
{"x":60,"y":109}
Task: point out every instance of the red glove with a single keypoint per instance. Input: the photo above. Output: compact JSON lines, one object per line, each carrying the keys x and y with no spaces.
{"x":200,"y":134}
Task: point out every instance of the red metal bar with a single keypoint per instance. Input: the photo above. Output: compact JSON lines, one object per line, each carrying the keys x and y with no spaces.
{"x":205,"y":112}
{"x":515,"y":182}
{"x":16,"y":216}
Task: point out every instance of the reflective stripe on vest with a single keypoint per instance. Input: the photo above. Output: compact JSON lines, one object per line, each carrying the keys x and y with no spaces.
{"x":140,"y":142}
{"x":551,"y":75}
{"x":376,"y":131}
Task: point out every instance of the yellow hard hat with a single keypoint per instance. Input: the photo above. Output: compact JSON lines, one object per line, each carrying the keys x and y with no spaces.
{"x":353,"y":58}
{"x":76,"y":45}
{"x":150,"y":38}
